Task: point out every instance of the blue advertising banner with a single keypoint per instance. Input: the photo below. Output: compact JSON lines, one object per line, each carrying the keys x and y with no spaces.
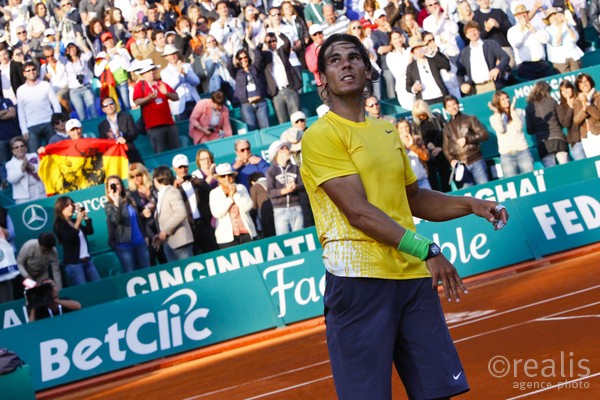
{"x":175,"y":315}
{"x":563,"y":218}
{"x":130,"y":331}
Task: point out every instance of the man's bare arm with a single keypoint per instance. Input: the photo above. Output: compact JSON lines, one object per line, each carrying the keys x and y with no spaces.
{"x":349,"y":195}
{"x":436,"y":206}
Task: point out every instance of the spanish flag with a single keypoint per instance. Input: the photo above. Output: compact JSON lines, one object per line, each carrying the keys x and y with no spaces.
{"x":78,"y":164}
{"x":107,"y":87}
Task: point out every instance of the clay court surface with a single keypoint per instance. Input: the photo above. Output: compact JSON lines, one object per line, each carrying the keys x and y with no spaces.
{"x":529,"y":332}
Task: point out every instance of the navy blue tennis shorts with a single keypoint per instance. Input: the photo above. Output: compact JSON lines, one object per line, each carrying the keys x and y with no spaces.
{"x":372,"y":324}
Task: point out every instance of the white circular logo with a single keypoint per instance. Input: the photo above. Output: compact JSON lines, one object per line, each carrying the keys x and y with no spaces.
{"x":35,"y":217}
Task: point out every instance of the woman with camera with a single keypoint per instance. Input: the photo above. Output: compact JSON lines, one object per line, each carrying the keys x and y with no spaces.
{"x":144,"y":196}
{"x":71,"y":226}
{"x":79,"y":78}
{"x":126,"y":234}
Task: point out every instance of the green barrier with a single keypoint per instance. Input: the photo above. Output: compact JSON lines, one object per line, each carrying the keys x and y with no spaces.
{"x":309,"y":102}
{"x":295,"y":243}
{"x":296,"y":285}
{"x":89,"y":127}
{"x":535,"y":182}
{"x":130,"y":331}
{"x":472,"y":245}
{"x":6,"y":199}
{"x":31,"y":219}
{"x":118,"y":286}
{"x":563,"y":218}
{"x":284,"y":290}
{"x":238,"y":126}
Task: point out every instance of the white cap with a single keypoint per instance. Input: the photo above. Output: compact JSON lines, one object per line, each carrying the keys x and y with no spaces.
{"x":296,"y":116}
{"x":224,"y":169}
{"x":274,"y":148}
{"x":169,"y":49}
{"x":145,"y":66}
{"x":49,"y":32}
{"x":378,"y":13}
{"x":72,"y":124}
{"x":294,"y":137}
{"x":180,"y":160}
{"x":314,"y":28}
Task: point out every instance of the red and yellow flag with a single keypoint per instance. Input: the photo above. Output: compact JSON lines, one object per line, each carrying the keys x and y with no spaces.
{"x":78,"y":164}
{"x":107,"y":87}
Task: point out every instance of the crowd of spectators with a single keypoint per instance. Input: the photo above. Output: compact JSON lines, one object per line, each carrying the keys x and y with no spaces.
{"x":64,"y":62}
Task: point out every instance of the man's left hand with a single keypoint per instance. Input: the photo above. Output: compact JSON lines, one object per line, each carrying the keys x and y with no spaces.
{"x":494,"y":73}
{"x":492,"y":211}
{"x":443,"y":271}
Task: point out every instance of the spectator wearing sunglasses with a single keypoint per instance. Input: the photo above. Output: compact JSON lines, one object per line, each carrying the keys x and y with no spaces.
{"x":119,"y":126}
{"x":58,"y":122}
{"x":247,"y":163}
{"x":36,"y":103}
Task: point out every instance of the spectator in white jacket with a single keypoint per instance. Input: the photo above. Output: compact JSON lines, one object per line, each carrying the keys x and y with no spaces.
{"x":182,"y":78}
{"x":230,"y":204}
{"x":22,"y":173}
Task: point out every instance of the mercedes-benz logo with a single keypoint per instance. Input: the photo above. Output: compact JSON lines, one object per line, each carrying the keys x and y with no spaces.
{"x":35,"y":217}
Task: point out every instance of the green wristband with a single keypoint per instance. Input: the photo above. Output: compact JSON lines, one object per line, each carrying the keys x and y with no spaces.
{"x":414,"y":244}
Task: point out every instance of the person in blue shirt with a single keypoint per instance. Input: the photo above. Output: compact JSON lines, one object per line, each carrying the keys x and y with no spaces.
{"x":246,"y":163}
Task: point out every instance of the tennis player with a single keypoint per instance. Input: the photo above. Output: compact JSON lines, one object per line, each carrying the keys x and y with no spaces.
{"x":381,"y":303}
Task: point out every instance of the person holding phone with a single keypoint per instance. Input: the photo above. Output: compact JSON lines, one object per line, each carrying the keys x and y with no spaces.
{"x":126,"y":235}
{"x":71,"y":226}
{"x":210,"y":119}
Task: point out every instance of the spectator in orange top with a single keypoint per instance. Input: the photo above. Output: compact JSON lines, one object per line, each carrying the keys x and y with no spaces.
{"x":210,"y":119}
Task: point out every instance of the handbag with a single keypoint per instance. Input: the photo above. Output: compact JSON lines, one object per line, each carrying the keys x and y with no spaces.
{"x":9,"y":361}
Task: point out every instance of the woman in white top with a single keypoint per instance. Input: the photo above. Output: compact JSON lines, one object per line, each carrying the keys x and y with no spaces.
{"x":562,"y":49}
{"x":22,"y":173}
{"x":230,"y":205}
{"x":397,"y":61}
{"x":79,"y":78}
{"x":508,"y":123}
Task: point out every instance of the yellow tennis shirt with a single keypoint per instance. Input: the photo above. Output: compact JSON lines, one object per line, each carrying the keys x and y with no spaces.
{"x":334,"y":147}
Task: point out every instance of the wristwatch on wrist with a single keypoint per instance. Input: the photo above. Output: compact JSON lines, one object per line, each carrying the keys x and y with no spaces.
{"x":434,"y":250}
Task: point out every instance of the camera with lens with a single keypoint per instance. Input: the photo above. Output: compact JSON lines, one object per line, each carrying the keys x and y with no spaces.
{"x":113,"y":187}
{"x":81,"y":78}
{"x":187,"y":178}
